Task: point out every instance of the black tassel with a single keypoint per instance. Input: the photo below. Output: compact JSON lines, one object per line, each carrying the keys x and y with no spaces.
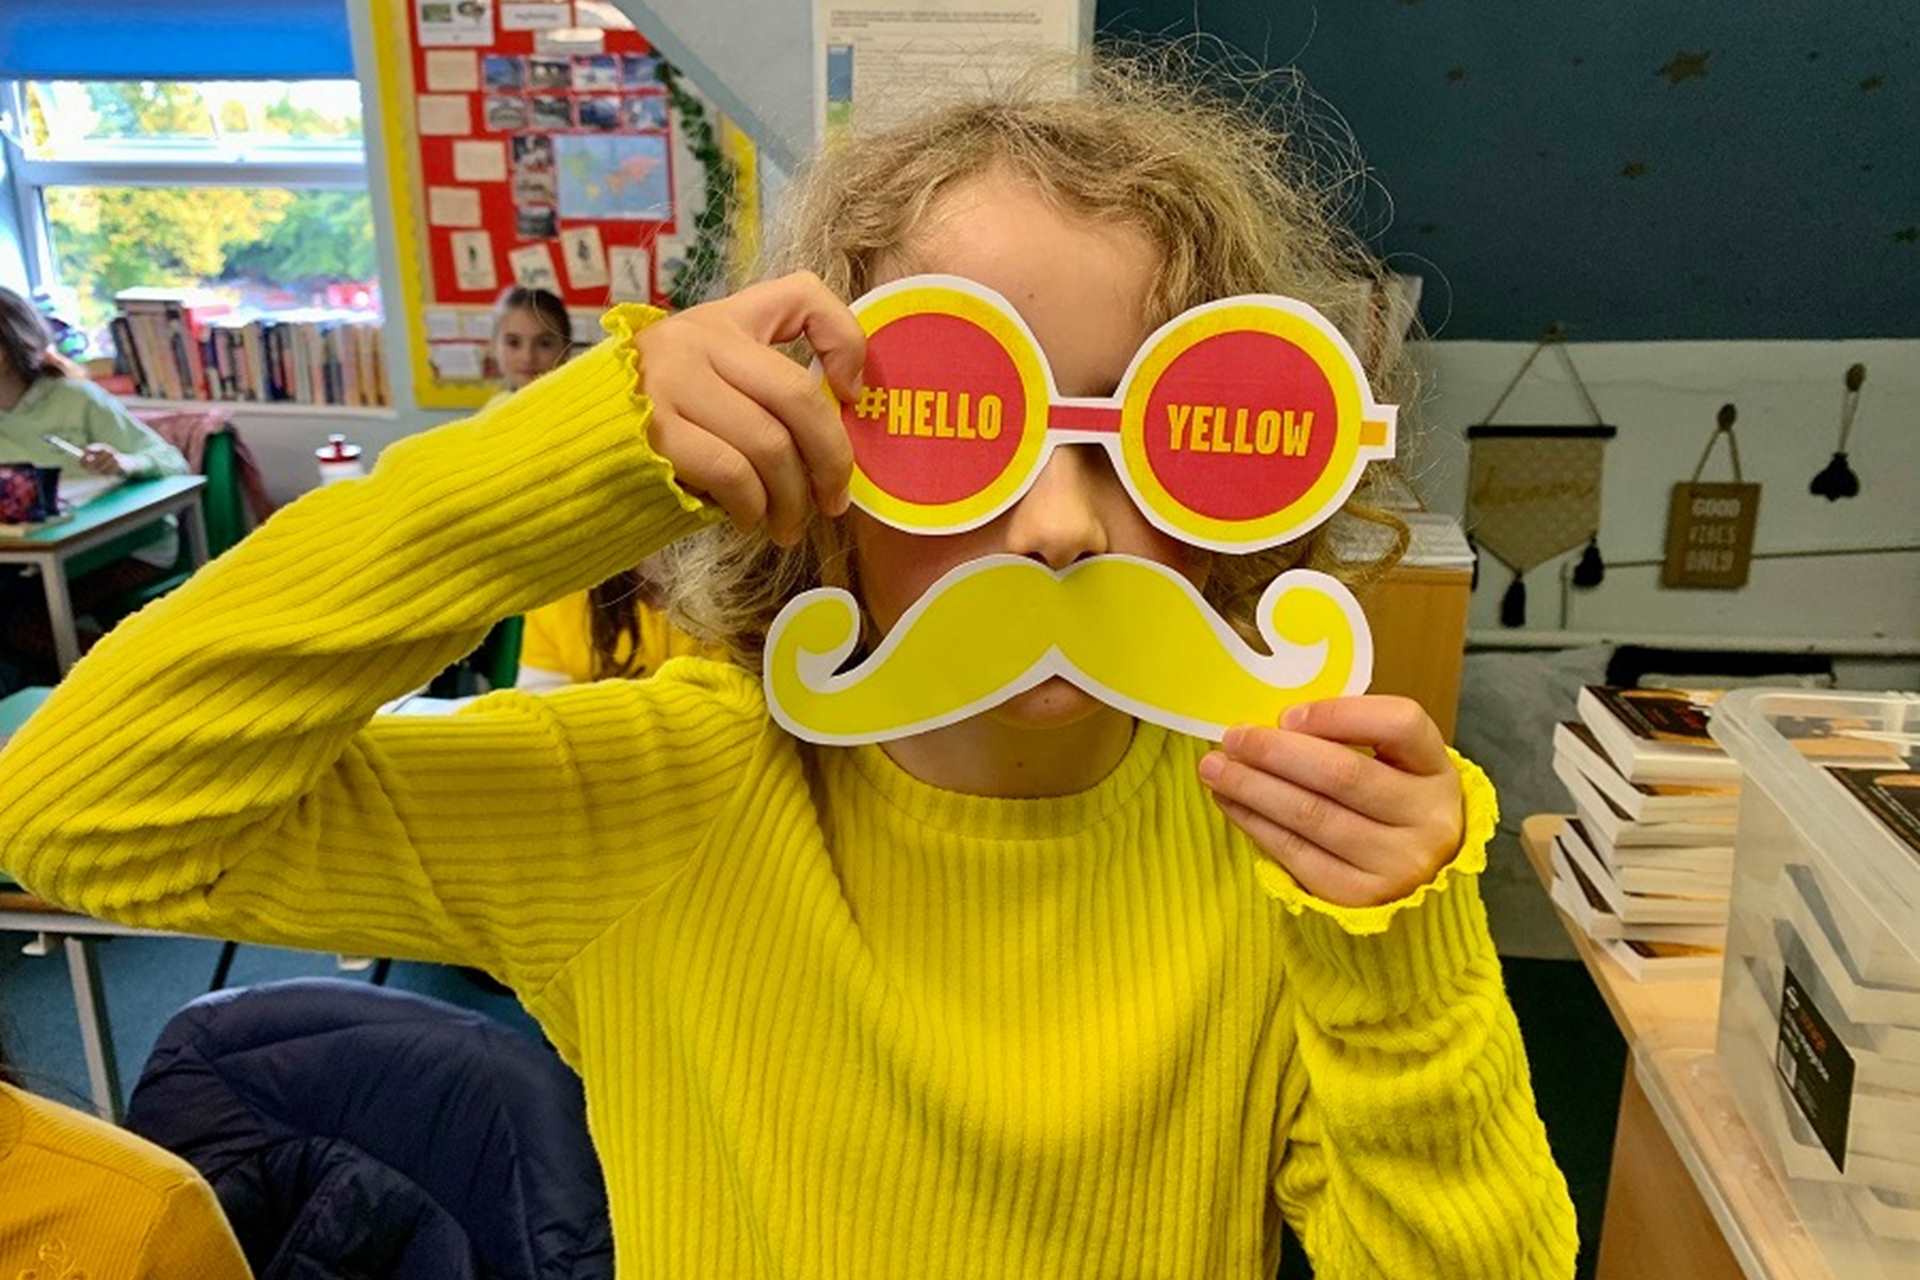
{"x":1592,"y":569}
{"x":1836,"y":480}
{"x":1474,"y":547}
{"x":1513,"y":605}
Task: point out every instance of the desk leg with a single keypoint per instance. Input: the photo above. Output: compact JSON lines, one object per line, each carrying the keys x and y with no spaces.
{"x":1657,"y":1225}
{"x":66,"y":638}
{"x":194,"y":522}
{"x":96,"y":1036}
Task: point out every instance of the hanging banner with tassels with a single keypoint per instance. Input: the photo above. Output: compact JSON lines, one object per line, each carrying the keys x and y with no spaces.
{"x":1533,"y":492}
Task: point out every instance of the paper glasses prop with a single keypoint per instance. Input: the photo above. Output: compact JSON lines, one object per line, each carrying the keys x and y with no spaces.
{"x":1239,"y":425}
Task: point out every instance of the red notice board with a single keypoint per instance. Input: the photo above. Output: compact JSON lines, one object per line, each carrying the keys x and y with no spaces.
{"x":528,"y":143}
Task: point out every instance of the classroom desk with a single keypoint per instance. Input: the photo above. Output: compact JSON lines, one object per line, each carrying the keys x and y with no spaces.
{"x":136,"y":503}
{"x":77,"y":936}
{"x":1690,"y":1192}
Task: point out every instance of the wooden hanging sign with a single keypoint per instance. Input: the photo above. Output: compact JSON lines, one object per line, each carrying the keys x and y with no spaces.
{"x":1710,"y":526}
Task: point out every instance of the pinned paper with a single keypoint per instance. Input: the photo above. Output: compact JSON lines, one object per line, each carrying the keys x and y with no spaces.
{"x":442,"y":325}
{"x":458,"y":361}
{"x":453,"y":70}
{"x":477,"y":324}
{"x":1240,"y":424}
{"x":569,"y":40}
{"x":600,"y":13}
{"x":479,"y":161}
{"x":534,"y":17}
{"x":532,"y":266}
{"x":1131,"y":632}
{"x":585,"y":256}
{"x":632,"y":270}
{"x":473,"y":260}
{"x":444,"y":114}
{"x":453,"y":207}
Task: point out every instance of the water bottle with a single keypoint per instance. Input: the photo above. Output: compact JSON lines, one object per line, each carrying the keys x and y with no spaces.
{"x":339,"y":460}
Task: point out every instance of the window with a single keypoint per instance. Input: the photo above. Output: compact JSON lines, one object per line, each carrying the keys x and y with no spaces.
{"x":254,"y":190}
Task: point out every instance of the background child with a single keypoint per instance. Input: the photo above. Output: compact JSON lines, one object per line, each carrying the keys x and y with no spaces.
{"x":84,"y":1198}
{"x":40,"y":397}
{"x":1045,"y":992}
{"x":532,"y":335}
{"x":614,"y":629}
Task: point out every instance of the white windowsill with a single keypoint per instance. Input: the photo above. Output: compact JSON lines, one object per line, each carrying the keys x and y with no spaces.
{"x":273,"y":408}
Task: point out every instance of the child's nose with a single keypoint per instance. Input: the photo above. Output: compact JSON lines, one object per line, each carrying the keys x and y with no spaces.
{"x":1058,"y":521}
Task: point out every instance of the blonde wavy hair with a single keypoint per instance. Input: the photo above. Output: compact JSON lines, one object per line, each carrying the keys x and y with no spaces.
{"x":1235,"y":199}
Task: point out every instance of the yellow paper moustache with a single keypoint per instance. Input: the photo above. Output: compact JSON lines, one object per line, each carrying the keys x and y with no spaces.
{"x":1133,"y":633}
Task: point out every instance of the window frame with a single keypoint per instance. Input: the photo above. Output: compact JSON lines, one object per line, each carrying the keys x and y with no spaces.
{"x":341,"y":167}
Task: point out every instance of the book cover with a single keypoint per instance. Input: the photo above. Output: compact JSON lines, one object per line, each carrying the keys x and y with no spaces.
{"x":1664,"y":961}
{"x":1657,"y":735}
{"x":1642,"y":801}
{"x":1613,"y":826}
{"x":1891,"y":795}
{"x":1577,"y":895}
{"x":1639,"y":908}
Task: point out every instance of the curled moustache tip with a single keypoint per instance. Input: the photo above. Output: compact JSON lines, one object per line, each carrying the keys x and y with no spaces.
{"x":1303,"y":607}
{"x":824,"y":622}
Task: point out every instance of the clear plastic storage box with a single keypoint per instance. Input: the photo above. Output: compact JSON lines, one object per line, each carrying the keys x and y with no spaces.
{"x":1820,"y":1003}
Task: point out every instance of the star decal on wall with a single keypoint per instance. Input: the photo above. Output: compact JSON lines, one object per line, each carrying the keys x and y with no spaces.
{"x":1685,"y":66}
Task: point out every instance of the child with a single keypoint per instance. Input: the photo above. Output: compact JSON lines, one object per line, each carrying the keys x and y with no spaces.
{"x":532,"y":335}
{"x":39,"y":397}
{"x":83,"y":1198}
{"x":614,"y":629}
{"x":1048,"y":992}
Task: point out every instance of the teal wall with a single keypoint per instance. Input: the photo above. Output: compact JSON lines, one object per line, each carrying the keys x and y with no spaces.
{"x":1542,"y":167}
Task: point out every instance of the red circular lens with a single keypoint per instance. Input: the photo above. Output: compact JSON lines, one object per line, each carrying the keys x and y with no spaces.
{"x":943,"y":411}
{"x":1239,"y":425}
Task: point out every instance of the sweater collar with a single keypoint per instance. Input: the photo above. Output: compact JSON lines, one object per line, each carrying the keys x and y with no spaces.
{"x":999,"y":818}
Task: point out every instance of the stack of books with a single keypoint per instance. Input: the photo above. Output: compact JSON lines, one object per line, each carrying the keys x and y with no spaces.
{"x":1646,"y":865}
{"x":180,"y":344}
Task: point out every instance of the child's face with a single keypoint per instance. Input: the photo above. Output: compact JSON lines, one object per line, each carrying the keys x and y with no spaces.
{"x":1080,"y":286}
{"x":524,"y":347}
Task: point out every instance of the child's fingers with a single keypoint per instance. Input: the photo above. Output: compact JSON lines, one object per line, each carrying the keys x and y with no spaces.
{"x":764,"y":441}
{"x":784,"y":309}
{"x":1332,"y":769}
{"x":1325,"y":822}
{"x":1321,"y":874}
{"x":1397,"y":729}
{"x":794,"y":396}
{"x":706,"y":464}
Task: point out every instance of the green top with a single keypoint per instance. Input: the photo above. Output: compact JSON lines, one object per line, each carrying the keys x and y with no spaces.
{"x":82,"y":414}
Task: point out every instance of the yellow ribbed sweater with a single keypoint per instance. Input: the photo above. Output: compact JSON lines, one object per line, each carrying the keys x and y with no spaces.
{"x":832,"y":1021}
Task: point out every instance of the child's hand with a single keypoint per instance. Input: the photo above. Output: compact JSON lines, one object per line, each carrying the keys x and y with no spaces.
{"x":742,"y":423}
{"x":1352,"y":831}
{"x":104,"y":460}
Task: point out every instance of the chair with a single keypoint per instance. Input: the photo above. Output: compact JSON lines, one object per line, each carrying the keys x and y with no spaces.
{"x":355,"y":1131}
{"x":496,"y":661}
{"x":222,"y":507}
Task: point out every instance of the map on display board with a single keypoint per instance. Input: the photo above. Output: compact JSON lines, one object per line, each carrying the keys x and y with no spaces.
{"x":613,"y":177}
{"x":534,"y":144}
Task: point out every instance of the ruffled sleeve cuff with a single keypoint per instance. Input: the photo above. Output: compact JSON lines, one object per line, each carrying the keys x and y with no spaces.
{"x":1396,"y":950}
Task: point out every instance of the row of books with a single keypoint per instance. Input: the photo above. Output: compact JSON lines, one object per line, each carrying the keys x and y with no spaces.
{"x":1646,"y":866}
{"x":185,"y":345}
